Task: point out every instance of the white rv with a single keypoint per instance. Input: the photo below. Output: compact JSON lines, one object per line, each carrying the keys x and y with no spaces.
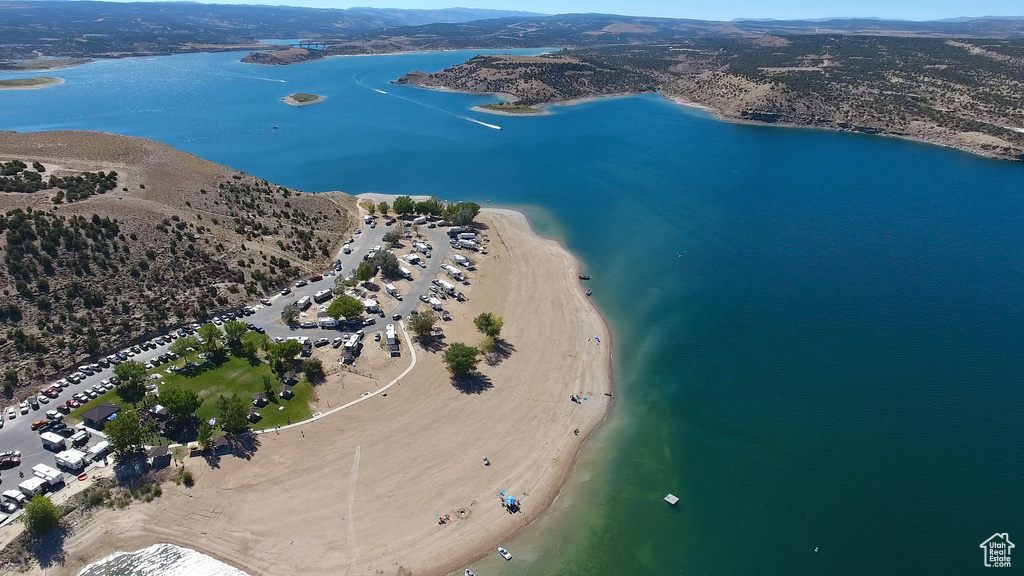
{"x":405,"y":272}
{"x":461,"y":260}
{"x":327,"y":322}
{"x":469,"y":244}
{"x":390,"y":289}
{"x":448,"y":287}
{"x":52,"y":476}
{"x":467,"y":236}
{"x":71,"y":460}
{"x":303,"y":303}
{"x":371,"y":305}
{"x":420,"y":220}
{"x":32,"y":486}
{"x":434,"y":303}
{"x":453,"y":271}
{"x":322,"y":296}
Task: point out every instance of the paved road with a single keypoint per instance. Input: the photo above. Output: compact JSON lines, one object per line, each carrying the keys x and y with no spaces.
{"x":17,"y":434}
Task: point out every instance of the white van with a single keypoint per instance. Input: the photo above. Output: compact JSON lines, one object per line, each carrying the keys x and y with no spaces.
{"x":347,"y":248}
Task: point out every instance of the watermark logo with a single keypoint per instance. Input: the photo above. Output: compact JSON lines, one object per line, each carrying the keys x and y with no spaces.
{"x":997,"y":550}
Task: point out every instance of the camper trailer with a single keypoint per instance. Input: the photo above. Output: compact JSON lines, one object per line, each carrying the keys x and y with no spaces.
{"x":448,"y":287}
{"x":467,"y":236}
{"x":453,"y":271}
{"x":390,"y":289}
{"x":461,"y":260}
{"x":468,"y":244}
{"x":405,"y":272}
{"x":322,"y":296}
{"x":54,"y":442}
{"x":412,"y":258}
{"x":420,"y":220}
{"x":351,"y":349}
{"x":434,"y":303}
{"x":327,"y":323}
{"x":422,"y":247}
{"x":73,"y":460}
{"x":52,"y":476}
{"x":32,"y":486}
{"x":303,"y":303}
{"x":99,"y":450}
{"x":371,"y":305}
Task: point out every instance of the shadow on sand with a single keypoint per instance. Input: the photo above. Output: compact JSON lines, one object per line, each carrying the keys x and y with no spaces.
{"x":501,"y":352}
{"x":472,"y":383}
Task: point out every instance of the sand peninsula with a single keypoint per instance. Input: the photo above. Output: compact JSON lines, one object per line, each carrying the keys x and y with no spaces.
{"x":303,"y":99}
{"x":360,"y":491}
{"x":29,"y":83}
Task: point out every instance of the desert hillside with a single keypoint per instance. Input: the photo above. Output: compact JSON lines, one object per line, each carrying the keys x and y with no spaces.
{"x":108,"y":239}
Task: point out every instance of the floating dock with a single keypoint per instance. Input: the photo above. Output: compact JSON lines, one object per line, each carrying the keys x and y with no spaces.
{"x":671,"y":499}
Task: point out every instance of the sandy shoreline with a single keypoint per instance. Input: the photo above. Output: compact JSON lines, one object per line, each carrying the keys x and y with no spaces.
{"x":292,"y":102}
{"x":360,"y":490}
{"x":51,"y":82}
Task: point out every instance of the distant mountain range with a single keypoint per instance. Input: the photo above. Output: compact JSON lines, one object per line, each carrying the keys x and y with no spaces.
{"x":90,"y":29}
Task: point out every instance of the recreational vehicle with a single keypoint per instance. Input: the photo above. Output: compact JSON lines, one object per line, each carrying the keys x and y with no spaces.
{"x":434,"y":303}
{"x":347,"y":248}
{"x":405,"y":272}
{"x":453,"y":271}
{"x":468,"y":244}
{"x":448,"y":287}
{"x":461,"y":260}
{"x":303,"y":303}
{"x":322,"y":296}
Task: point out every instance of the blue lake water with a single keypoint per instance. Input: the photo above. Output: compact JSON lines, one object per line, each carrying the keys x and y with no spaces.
{"x":818,"y":336}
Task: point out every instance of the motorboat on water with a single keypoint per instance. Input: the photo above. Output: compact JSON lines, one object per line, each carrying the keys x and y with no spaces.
{"x":470,"y":572}
{"x":504,"y":553}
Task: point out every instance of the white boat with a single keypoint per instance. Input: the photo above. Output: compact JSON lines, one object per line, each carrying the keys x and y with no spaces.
{"x":504,"y":553}
{"x":470,"y":572}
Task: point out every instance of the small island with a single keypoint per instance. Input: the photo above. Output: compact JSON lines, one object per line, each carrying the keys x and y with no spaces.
{"x":303,"y":99}
{"x":29,"y":83}
{"x":511,"y":109}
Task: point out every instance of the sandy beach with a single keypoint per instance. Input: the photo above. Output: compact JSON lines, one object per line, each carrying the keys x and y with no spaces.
{"x":360,"y":491}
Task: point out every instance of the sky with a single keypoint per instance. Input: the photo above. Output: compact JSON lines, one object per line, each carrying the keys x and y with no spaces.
{"x":704,"y":9}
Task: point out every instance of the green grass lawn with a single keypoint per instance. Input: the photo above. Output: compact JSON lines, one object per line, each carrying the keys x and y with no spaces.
{"x":233,"y":375}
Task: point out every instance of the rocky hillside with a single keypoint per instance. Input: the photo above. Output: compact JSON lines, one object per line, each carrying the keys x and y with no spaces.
{"x":960,"y":93}
{"x":133,"y":237}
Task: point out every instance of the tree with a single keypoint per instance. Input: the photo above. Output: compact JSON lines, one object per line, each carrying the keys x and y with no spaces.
{"x":233,"y":414}
{"x":180,"y":403}
{"x":489,"y":324}
{"x":125,"y":433}
{"x":461,"y":359}
{"x":234,"y":330}
{"x":313,"y":369}
{"x":403,"y":205}
{"x":393,"y":238}
{"x":268,"y":387}
{"x":369,"y":207}
{"x":383,"y":207}
{"x":365,"y":271}
{"x":387,"y":262}
{"x":462,"y":213}
{"x":211,"y":336}
{"x":10,"y":381}
{"x":290,"y":314}
{"x":131,"y":377}
{"x":345,"y":307}
{"x":287,"y":350}
{"x":422,"y":325}
{"x":416,"y":230}
{"x":487,"y":344}
{"x":41,"y":515}
{"x":182,"y":345}
{"x":205,"y":436}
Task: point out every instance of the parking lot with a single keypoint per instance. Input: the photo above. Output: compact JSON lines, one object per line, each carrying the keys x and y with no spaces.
{"x":23,"y":424}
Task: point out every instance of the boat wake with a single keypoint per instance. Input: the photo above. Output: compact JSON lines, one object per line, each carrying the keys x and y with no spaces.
{"x":441,"y":110}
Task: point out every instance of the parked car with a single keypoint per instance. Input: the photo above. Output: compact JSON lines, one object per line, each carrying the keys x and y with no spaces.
{"x":300,"y":283}
{"x":39,"y":424}
{"x":265,"y":301}
{"x":9,"y":461}
{"x":369,"y":321}
{"x":63,"y":409}
{"x":308,"y":324}
{"x":44,"y":400}
{"x":376,"y":337}
{"x":12,"y":413}
{"x":321,"y":342}
{"x":286,"y":291}
{"x":337,"y":342}
{"x":23,"y":407}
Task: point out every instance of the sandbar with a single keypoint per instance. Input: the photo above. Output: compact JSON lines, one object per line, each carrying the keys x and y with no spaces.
{"x":360,"y":491}
{"x":29,"y":83}
{"x":290,"y":100}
